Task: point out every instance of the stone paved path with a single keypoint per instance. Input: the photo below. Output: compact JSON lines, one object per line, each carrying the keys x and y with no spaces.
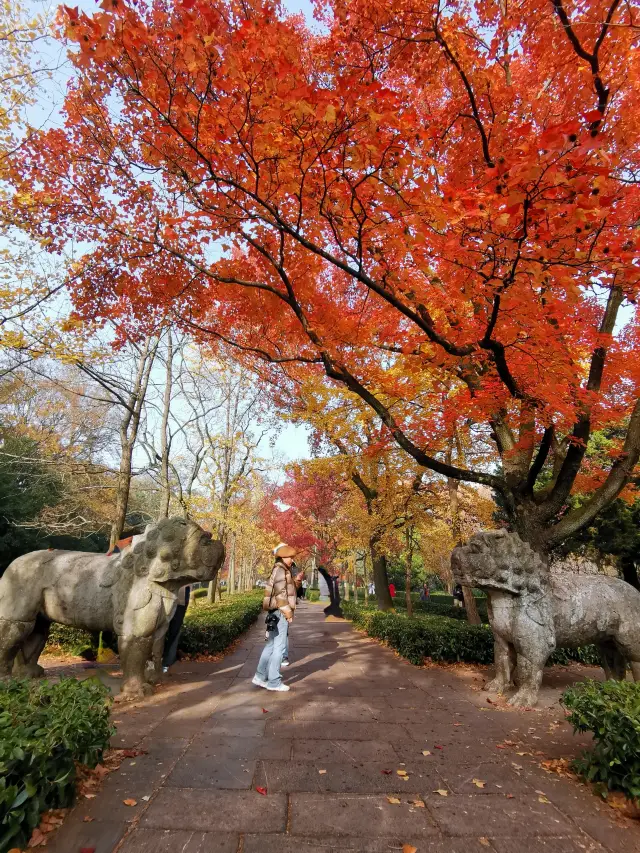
{"x":321,"y":751}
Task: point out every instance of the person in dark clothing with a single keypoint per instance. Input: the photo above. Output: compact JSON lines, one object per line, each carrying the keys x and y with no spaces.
{"x":172,"y":636}
{"x":458,"y":596}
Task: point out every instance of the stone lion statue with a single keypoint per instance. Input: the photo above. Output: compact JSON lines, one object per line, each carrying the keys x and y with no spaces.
{"x":133,"y":593}
{"x":533,"y":612}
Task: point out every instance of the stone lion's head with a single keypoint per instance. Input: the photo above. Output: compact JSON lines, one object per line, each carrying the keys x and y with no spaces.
{"x":174,"y":551}
{"x":499,"y":560}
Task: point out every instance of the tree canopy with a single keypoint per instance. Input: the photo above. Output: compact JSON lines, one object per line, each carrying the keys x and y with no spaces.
{"x":434,"y":204}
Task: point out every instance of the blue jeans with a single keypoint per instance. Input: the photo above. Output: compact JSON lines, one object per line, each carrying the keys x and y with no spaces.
{"x":272,"y":654}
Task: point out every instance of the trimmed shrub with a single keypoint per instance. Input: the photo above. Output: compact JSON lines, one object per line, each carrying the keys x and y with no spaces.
{"x":611,"y":711}
{"x":210,"y":628}
{"x":313,"y":595}
{"x":44,"y":729}
{"x":436,"y":637}
{"x":442,"y":638}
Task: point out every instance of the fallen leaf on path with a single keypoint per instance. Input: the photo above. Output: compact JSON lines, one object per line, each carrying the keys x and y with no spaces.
{"x":401,"y":772}
{"x":87,"y":819}
{"x":37,"y":838}
{"x":426,"y":752}
{"x":87,"y":850}
{"x":418,"y":804}
{"x":442,"y":791}
{"x":484,"y":841}
{"x":130,"y":802}
{"x":322,"y":772}
{"x":387,"y":772}
{"x":146,"y":798}
{"x":393,"y":800}
{"x":262,"y":791}
{"x":509,"y":796}
{"x":89,"y":796}
{"x":407,"y":848}
{"x":479,"y":783}
{"x":543,"y":800}
{"x":264,"y":711}
{"x":438,"y":747}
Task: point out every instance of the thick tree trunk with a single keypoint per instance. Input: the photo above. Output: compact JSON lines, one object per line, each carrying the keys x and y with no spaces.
{"x":365,"y":578}
{"x":165,"y":485}
{"x":473,"y":617}
{"x":122,"y":495}
{"x":380,"y":576}
{"x":630,"y":572}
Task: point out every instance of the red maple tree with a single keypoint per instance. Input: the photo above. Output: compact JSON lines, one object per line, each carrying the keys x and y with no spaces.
{"x":434,"y":203}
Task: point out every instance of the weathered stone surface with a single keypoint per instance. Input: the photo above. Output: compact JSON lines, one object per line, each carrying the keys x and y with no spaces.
{"x":133,"y":593}
{"x":363,"y":816}
{"x":182,"y":841}
{"x":532,"y":612}
{"x":217,"y":811}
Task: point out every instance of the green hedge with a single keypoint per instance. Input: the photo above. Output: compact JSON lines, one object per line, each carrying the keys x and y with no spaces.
{"x":442,"y":638}
{"x":611,"y":711}
{"x":436,"y":637}
{"x":44,"y":729}
{"x":312,"y":595}
{"x":210,"y":628}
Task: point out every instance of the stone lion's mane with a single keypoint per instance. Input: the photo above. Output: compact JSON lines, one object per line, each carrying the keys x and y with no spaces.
{"x":503,"y":558}
{"x":164,"y":539}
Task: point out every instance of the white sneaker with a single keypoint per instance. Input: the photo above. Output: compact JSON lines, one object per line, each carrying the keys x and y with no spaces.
{"x":165,"y":669}
{"x":258,"y":681}
{"x":285,"y":663}
{"x":281,"y":688}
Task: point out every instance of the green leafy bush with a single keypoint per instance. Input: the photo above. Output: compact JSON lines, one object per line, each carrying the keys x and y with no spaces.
{"x":611,"y":711}
{"x":210,"y":628}
{"x":44,"y":729}
{"x":415,"y":639}
{"x":313,"y":595}
{"x":442,"y":638}
{"x":65,"y":639}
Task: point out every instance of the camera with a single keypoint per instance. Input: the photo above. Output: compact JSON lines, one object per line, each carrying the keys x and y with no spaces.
{"x":271,"y":623}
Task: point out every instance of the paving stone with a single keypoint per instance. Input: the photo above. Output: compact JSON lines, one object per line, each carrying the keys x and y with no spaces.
{"x":195,"y":770}
{"x":182,"y":841}
{"x":363,"y":816}
{"x":336,"y":730}
{"x":211,"y":810}
{"x":101,"y":835}
{"x":327,"y":710}
{"x":345,"y":750}
{"x":580,"y":844}
{"x":217,"y":746}
{"x":292,"y":776}
{"x":496,"y":816}
{"x":496,"y":778}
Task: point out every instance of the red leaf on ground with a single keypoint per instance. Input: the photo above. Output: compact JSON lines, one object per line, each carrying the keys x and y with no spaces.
{"x":262,"y":791}
{"x":264,"y":711}
{"x":387,"y":772}
{"x":87,"y":850}
{"x":438,"y":747}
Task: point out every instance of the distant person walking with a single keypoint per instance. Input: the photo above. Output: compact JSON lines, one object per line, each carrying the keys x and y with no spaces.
{"x":392,"y":590}
{"x":280,"y":603}
{"x":303,"y":588}
{"x":458,"y":596}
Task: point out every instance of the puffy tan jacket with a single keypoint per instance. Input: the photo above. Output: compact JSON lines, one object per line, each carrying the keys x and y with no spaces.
{"x":280,"y":592}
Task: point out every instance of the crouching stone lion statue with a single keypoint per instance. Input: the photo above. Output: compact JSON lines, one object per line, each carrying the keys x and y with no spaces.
{"x":133,"y":593}
{"x":533,"y":612}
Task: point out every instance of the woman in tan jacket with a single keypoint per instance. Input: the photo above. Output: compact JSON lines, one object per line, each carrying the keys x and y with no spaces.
{"x":280,"y":603}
